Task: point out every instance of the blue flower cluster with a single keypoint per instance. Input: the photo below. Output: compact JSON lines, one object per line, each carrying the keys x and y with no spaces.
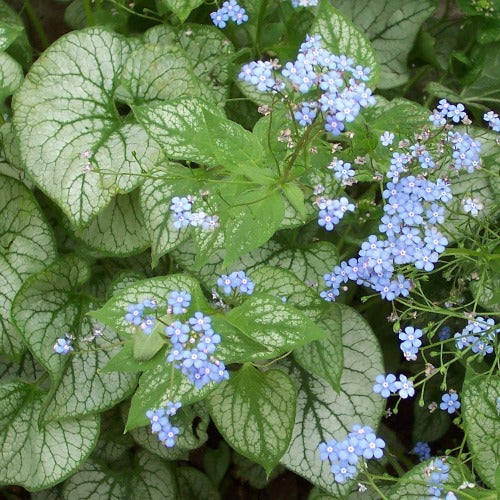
{"x":410,"y":342}
{"x":135,"y":315}
{"x":479,"y":333}
{"x":343,"y":171}
{"x":422,"y":450}
{"x":437,"y":474}
{"x":344,"y":455}
{"x":413,"y":208}
{"x":338,"y":83}
{"x":193,"y":344}
{"x":236,"y":281}
{"x":63,"y":345}
{"x":161,"y":425}
{"x":493,"y":121}
{"x":388,"y":385}
{"x":446,"y":111}
{"x":466,"y":151}
{"x":304,"y":3}
{"x":230,"y":11}
{"x":331,"y":212}
{"x":450,"y":402}
{"x":183,"y":216}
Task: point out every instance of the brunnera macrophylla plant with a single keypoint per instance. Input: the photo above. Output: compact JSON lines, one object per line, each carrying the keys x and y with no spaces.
{"x":217,"y":234}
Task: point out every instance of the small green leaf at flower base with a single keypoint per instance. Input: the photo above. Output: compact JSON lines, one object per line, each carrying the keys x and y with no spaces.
{"x":255,"y":412}
{"x":295,"y":196}
{"x":146,"y":346}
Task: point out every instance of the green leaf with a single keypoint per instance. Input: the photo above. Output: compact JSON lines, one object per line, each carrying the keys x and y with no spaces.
{"x":27,"y":246}
{"x":277,"y":326}
{"x":194,"y":130}
{"x":19,"y":47}
{"x":480,"y":413}
{"x":155,"y":72}
{"x":113,"y":443}
{"x":324,"y":358}
{"x":38,"y":457}
{"x":150,"y":478}
{"x":11,"y":77}
{"x":485,"y":87}
{"x":124,"y":360}
{"x":392,"y":30}
{"x":323,"y":414}
{"x":195,"y":485}
{"x":216,"y":462}
{"x":414,"y":484}
{"x":429,"y":426}
{"x":147,"y":346}
{"x":27,"y":370}
{"x":192,"y":422}
{"x":181,"y":8}
{"x":209,"y":51}
{"x":252,"y":473}
{"x":250,"y":226}
{"x":340,"y":36}
{"x":66,"y":106}
{"x":309,"y":263}
{"x":118,"y":230}
{"x":159,"y":385}
{"x":47,"y":307}
{"x":9,"y":31}
{"x":487,"y":292}
{"x":255,"y":412}
{"x":290,"y":289}
{"x":235,"y":346}
{"x":295,"y":196}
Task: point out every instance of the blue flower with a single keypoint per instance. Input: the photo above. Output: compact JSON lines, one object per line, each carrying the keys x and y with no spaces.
{"x":147,"y":325}
{"x":328,"y":450}
{"x":172,"y":407}
{"x":63,"y":346}
{"x":343,"y":471}
{"x":404,"y":387}
{"x":386,"y":138}
{"x":305,"y":115}
{"x":385,"y":385}
{"x":423,"y":450}
{"x":177,"y":332}
{"x":199,"y":322}
{"x":444,"y":333}
{"x":493,"y":121}
{"x":472,"y":206}
{"x":450,"y":402}
{"x":410,"y":337}
{"x":179,"y":301}
{"x":179,"y":205}
{"x":134,"y":314}
{"x":372,"y":446}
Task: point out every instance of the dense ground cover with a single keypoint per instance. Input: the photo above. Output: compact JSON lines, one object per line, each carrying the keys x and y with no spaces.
{"x":249,"y":249}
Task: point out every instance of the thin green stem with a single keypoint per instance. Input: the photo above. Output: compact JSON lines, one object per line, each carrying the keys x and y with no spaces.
{"x":37,"y":24}
{"x":260,"y":23}
{"x":89,"y":13}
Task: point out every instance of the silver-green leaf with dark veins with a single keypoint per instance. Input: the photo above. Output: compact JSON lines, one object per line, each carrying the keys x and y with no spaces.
{"x":66,"y":117}
{"x":27,"y":246}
